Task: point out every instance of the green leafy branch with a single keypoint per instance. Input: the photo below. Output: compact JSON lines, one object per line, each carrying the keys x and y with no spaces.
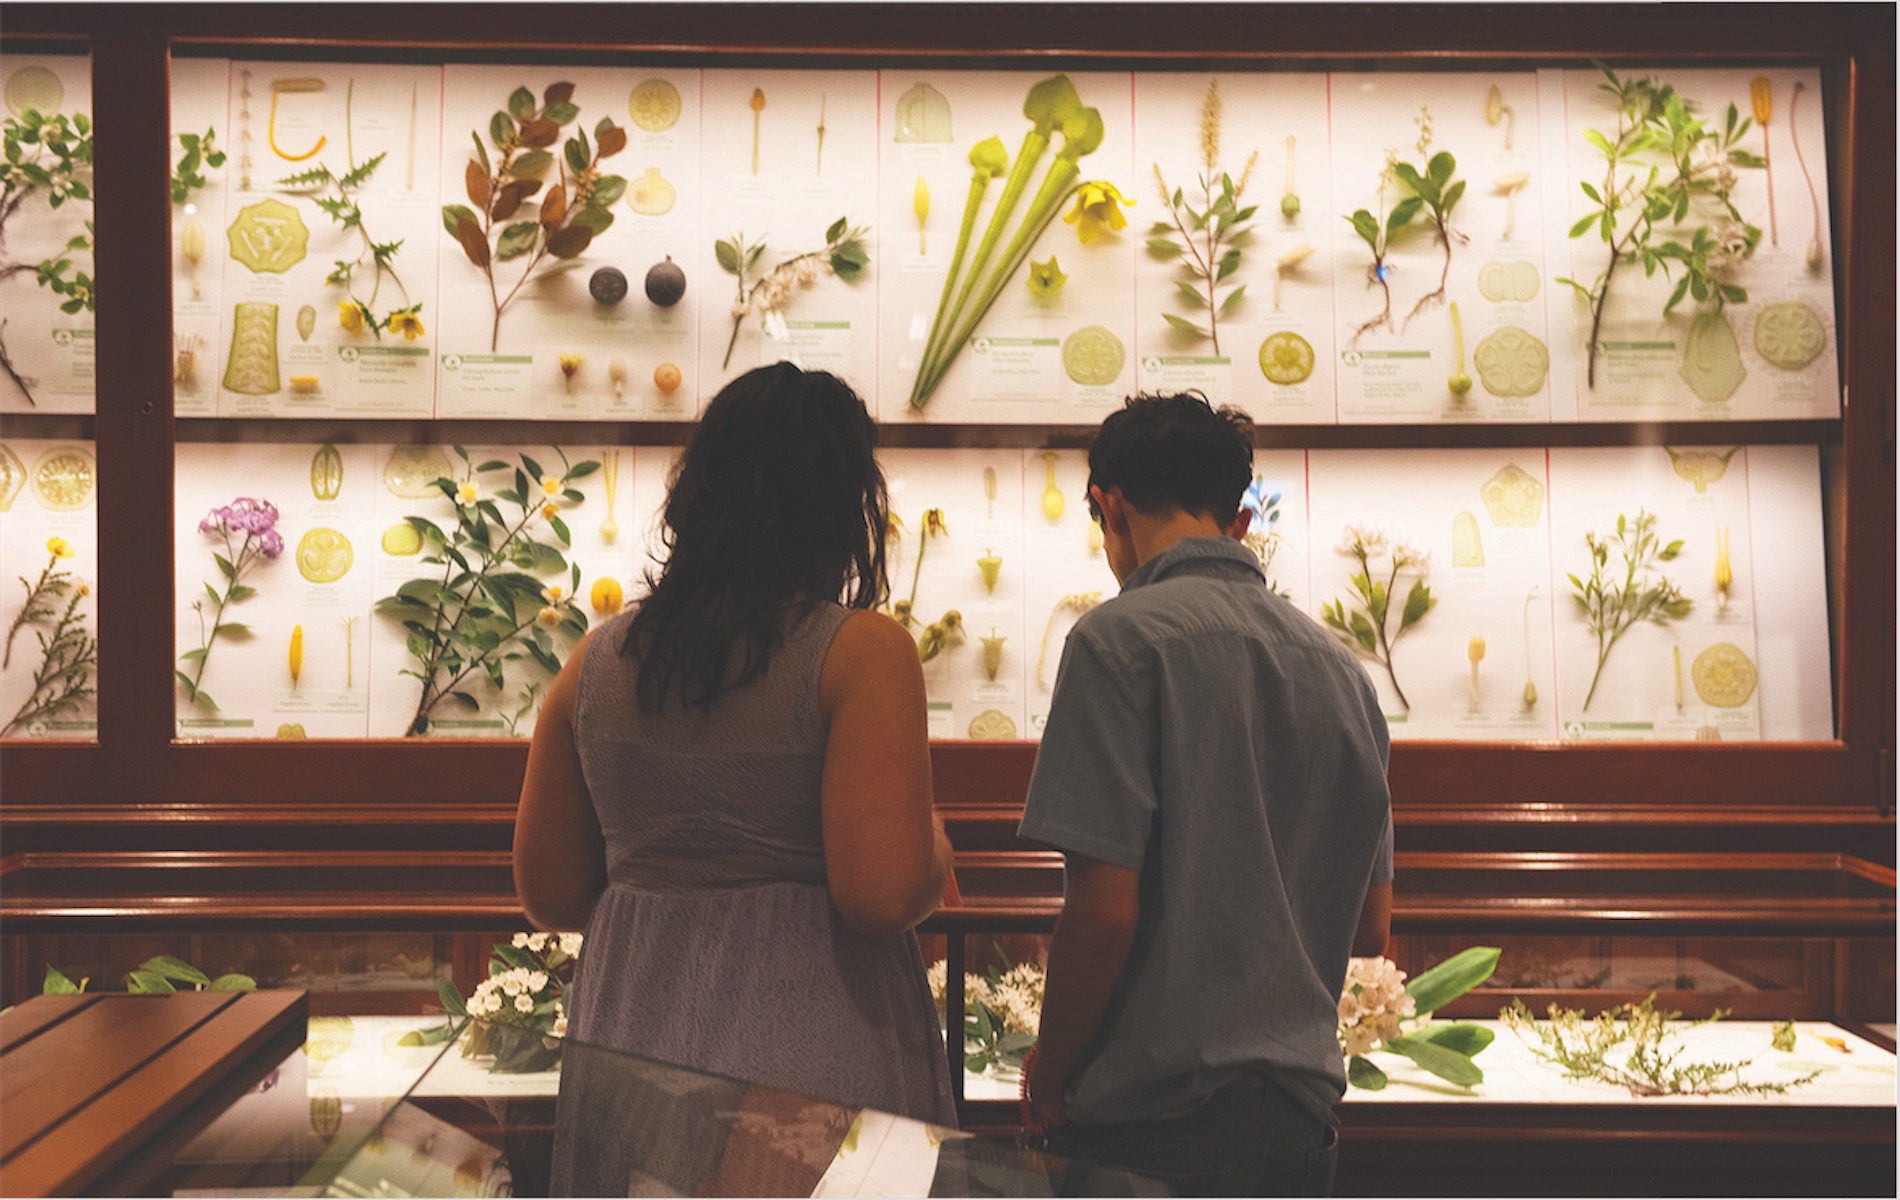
{"x":200,"y":151}
{"x":68,"y":654}
{"x":336,"y":198}
{"x":1660,"y":162}
{"x":50,"y":153}
{"x":843,"y":255}
{"x":156,"y":976}
{"x":1611,"y":608}
{"x":1365,"y":627}
{"x":1220,"y":225}
{"x":572,"y":211}
{"x":489,"y":606}
{"x":1628,"y":1046}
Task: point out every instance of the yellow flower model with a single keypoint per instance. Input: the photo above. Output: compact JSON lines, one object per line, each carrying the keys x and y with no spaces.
{"x":1046,"y":278}
{"x":351,"y":316}
{"x":59,"y":547}
{"x":407,"y":323}
{"x":1097,"y":211}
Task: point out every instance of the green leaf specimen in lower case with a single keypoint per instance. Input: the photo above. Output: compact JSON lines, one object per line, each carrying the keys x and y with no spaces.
{"x":500,"y":586}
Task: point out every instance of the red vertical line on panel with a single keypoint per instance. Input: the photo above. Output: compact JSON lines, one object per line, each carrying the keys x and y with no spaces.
{"x":700,"y":398}
{"x":1550,"y":587}
{"x":131,"y":108}
{"x":1332,"y":292}
{"x":1134,"y":258}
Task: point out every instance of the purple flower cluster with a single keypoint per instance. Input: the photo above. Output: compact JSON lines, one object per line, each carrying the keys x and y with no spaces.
{"x":256,"y":519}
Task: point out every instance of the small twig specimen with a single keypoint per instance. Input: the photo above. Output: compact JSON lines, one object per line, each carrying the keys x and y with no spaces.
{"x":1814,"y":204}
{"x":758,"y":106}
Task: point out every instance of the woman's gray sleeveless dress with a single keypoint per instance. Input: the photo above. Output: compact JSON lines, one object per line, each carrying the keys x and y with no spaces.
{"x":716,"y":945}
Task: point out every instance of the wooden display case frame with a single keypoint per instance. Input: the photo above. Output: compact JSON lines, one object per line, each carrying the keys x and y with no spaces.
{"x":137,"y":790}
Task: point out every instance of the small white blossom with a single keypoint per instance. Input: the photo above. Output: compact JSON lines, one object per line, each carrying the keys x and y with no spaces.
{"x":571,"y":944}
{"x":520,"y":941}
{"x":1366,"y":539}
{"x":524,"y":1004}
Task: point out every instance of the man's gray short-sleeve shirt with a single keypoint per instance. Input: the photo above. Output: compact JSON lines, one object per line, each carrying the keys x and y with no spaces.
{"x":1206,"y":733}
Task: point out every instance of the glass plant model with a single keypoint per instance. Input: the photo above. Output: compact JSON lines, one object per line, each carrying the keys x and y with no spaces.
{"x":1665,"y":203}
{"x":68,"y":653}
{"x":1364,"y":621}
{"x":573,"y":209}
{"x":1615,"y":599}
{"x":489,"y":604}
{"x":1052,"y":106}
{"x":1206,"y":236}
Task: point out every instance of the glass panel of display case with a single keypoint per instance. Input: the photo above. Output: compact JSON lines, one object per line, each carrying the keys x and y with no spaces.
{"x":48,"y":538}
{"x":1475,"y":283}
{"x":337,"y":592}
{"x":353,"y":972}
{"x":46,"y":284}
{"x":48,"y":470}
{"x":1755,"y":978}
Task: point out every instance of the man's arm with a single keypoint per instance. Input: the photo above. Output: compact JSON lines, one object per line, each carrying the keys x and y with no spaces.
{"x":1091,"y":945}
{"x":1375,"y":921}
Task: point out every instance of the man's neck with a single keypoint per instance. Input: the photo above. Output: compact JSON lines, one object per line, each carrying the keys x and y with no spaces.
{"x":1156,"y":534}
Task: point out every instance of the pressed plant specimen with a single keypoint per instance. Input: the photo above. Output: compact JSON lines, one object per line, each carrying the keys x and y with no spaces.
{"x":1366,"y":626}
{"x":1664,"y":167}
{"x":488,"y":605}
{"x":767,"y":294}
{"x":198,"y":151}
{"x":247,"y":528}
{"x":1615,"y":599}
{"x":571,"y":211}
{"x":1205,"y":241}
{"x":1439,"y":189}
{"x":336,"y":195}
{"x":1630,"y":1046}
{"x":68,"y":654}
{"x":50,"y":154}
{"x":947,"y":631}
{"x":1051,"y":106}
{"x":1377,"y":232}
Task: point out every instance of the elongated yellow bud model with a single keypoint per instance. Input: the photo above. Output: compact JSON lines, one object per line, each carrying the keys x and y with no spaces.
{"x":296,"y":656}
{"x":1724,"y":573}
{"x":920,"y":204}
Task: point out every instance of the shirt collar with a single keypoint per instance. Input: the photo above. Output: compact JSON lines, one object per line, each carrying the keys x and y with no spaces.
{"x":1195,"y":556}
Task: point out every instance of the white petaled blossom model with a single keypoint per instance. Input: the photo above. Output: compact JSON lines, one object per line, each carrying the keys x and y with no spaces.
{"x":1378,"y":1010}
{"x":520,"y":1010}
{"x":1002,"y":1012}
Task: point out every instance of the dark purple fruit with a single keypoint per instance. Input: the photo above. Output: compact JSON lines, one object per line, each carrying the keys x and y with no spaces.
{"x":608,"y":286}
{"x":666,"y":283}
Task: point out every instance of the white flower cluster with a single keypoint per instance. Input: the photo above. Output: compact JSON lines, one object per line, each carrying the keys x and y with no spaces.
{"x":1014,"y":1000}
{"x":1372,"y":1004}
{"x":1731,"y":247}
{"x":1362,"y":539}
{"x":1369,"y":541}
{"x":508,"y":996}
{"x":568,"y":943}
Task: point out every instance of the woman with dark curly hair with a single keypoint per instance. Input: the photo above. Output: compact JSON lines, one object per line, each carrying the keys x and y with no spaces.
{"x":729,"y":786}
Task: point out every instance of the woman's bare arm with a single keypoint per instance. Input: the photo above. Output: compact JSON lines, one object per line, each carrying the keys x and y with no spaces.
{"x":886,"y":857}
{"x":560,"y":857}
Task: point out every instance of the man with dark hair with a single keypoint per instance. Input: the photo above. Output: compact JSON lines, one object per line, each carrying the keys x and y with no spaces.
{"x":1214,"y":771}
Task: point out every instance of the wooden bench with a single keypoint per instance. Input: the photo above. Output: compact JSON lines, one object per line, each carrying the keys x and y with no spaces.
{"x":96,"y":1091}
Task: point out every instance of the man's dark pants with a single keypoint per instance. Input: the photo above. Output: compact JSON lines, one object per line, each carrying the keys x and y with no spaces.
{"x":1249,"y":1139}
